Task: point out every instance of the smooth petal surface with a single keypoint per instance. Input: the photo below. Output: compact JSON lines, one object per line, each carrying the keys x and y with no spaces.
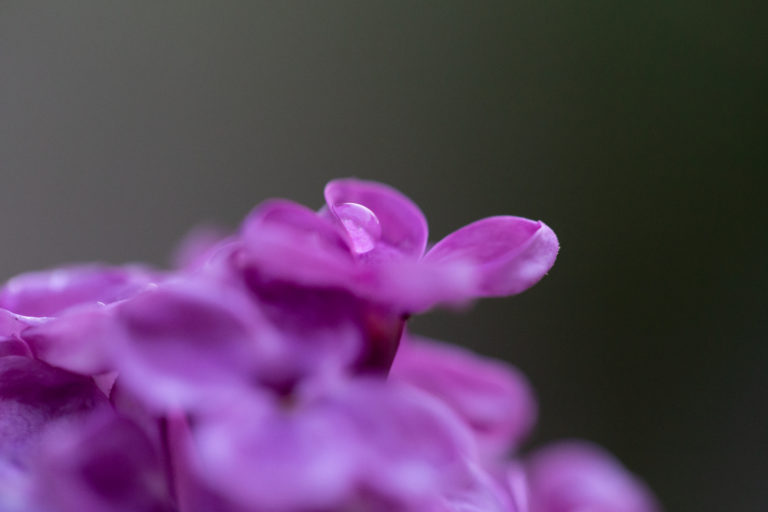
{"x":77,"y":341}
{"x":494,"y":399}
{"x":329,"y":450}
{"x":183,"y":341}
{"x":103,"y":465}
{"x":511,"y":254}
{"x":377,"y":219}
{"x":198,"y":246}
{"x":578,"y":476}
{"x":48,"y":293}
{"x":16,"y":489}
{"x":285,"y":240}
{"x":35,"y":396}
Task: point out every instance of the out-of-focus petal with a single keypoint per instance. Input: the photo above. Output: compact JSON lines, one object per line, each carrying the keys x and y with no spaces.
{"x":13,"y":347}
{"x":103,"y":465}
{"x":576,"y":476}
{"x":377,"y":218}
{"x":11,"y":324}
{"x":320,"y":331}
{"x":33,"y":397}
{"x":49,"y":292}
{"x":365,"y":442}
{"x":183,"y":341}
{"x":511,"y":253}
{"x":479,"y":493}
{"x":16,"y":493}
{"x":494,"y":399}
{"x":198,"y":246}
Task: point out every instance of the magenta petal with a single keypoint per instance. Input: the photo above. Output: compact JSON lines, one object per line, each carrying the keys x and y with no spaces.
{"x":576,"y":476}
{"x":198,"y":246}
{"x":511,"y":254}
{"x":76,"y":341}
{"x":288,"y":241}
{"x":49,"y":292}
{"x":375,"y":215}
{"x":106,"y":464}
{"x":183,"y":342}
{"x":35,"y":396}
{"x":494,"y":399}
{"x":360,"y":444}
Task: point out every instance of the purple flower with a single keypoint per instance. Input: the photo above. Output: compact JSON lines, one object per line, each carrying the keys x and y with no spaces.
{"x":371,"y":240}
{"x":259,"y":375}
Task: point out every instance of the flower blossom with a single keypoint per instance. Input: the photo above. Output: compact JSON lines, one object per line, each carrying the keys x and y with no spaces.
{"x":272,"y":371}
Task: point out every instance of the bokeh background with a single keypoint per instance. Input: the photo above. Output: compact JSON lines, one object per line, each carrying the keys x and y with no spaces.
{"x":635,"y":129}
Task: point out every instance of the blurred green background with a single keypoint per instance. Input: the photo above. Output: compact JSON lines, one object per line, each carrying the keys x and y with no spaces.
{"x":637,"y":130}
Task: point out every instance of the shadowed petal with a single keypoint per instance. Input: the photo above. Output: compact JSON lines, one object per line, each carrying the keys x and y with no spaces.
{"x":183,"y":341}
{"x":33,"y":396}
{"x":105,"y":465}
{"x":363,"y":443}
{"x":289,"y":241}
{"x":494,"y":399}
{"x":511,"y":254}
{"x":377,"y":218}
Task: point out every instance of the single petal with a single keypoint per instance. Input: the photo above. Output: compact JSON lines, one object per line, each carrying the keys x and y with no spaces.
{"x":34,"y":396}
{"x":575,"y":476}
{"x":105,"y":465}
{"x":76,"y":341}
{"x":48,"y":293}
{"x":511,"y":254}
{"x":377,"y":218}
{"x":183,"y":342}
{"x":13,"y":347}
{"x":494,"y":399}
{"x":284,"y":240}
{"x":198,"y":246}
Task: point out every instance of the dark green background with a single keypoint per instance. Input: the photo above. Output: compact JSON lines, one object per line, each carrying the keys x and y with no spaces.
{"x":636,"y":130}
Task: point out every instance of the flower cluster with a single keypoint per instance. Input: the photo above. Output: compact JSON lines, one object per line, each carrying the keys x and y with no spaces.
{"x":271,"y":371}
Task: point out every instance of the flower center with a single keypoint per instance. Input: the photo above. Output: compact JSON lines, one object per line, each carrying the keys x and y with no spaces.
{"x":362,"y":226}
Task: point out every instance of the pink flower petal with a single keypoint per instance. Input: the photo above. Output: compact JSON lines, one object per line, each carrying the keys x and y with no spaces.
{"x":49,"y":292}
{"x":575,"y":476}
{"x":511,"y":254}
{"x":288,"y":241}
{"x":494,"y":399}
{"x":377,"y":218}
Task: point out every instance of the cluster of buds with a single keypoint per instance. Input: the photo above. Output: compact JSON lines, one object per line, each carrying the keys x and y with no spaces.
{"x":272,"y":371}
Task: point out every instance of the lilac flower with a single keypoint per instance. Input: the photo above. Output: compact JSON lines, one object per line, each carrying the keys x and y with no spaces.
{"x":371,"y":240}
{"x":258,"y":375}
